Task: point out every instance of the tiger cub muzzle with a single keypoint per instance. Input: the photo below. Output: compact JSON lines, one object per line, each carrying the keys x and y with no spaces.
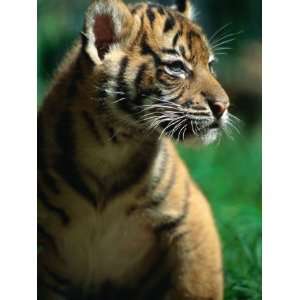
{"x":203,"y":116}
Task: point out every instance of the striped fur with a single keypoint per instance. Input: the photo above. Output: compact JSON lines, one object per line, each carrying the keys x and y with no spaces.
{"x":119,"y":217}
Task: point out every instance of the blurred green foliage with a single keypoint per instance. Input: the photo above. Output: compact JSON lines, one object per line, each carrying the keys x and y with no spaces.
{"x":230,"y":173}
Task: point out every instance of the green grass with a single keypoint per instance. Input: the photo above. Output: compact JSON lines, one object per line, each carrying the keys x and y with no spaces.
{"x":230,"y":176}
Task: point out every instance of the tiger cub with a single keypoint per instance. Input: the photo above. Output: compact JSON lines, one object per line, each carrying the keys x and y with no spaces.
{"x":119,"y":216}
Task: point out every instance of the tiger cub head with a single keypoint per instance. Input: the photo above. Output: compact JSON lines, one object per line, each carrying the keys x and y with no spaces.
{"x":153,"y":68}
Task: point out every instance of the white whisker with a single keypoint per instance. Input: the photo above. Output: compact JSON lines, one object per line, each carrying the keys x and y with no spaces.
{"x":219,"y":31}
{"x":223,"y":48}
{"x":180,"y":131}
{"x":177,"y":126}
{"x":223,"y":43}
{"x":183,"y":135}
{"x":108,"y":91}
{"x":235,"y":118}
{"x":217,"y":53}
{"x":119,"y":100}
{"x":168,"y":126}
{"x":228,"y":35}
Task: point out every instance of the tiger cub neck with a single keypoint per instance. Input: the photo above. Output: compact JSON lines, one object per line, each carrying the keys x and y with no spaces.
{"x":88,"y":135}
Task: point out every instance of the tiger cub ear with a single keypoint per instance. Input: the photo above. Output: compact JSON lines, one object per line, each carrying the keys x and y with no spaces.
{"x":184,"y":7}
{"x":107,"y":23}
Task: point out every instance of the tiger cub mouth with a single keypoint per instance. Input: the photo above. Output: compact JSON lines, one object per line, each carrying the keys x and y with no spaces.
{"x":191,"y":127}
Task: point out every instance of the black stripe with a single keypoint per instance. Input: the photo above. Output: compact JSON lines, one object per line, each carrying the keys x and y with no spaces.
{"x":101,"y":94}
{"x":50,"y":181}
{"x":58,"y":278}
{"x":172,"y":223}
{"x":150,"y":15}
{"x":112,"y":134}
{"x":139,"y":166}
{"x":169,"y":24}
{"x":65,"y":134}
{"x":76,"y":76}
{"x":41,"y":163}
{"x":58,"y":211}
{"x":54,"y":289}
{"x":92,"y":126}
{"x":181,"y":5}
{"x":182,"y":50}
{"x":179,"y":236}
{"x":176,"y":37}
{"x":111,"y":291}
{"x":169,"y":51}
{"x":122,"y":70}
{"x":44,"y":235}
{"x":70,"y":173}
{"x":84,"y":39}
{"x":161,"y":288}
{"x":86,"y":58}
{"x":136,"y":8}
{"x":147,"y":50}
{"x":65,"y":164}
{"x":140,"y":76}
{"x":160,"y":10}
{"x":149,"y":281}
{"x":190,"y":36}
{"x":122,"y":86}
{"x":190,"y":40}
{"x":140,"y":94}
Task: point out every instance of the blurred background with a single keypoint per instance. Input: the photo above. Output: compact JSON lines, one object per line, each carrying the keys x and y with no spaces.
{"x":228,"y":173}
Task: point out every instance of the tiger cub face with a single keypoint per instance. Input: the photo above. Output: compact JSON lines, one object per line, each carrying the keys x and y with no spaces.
{"x":153,"y":68}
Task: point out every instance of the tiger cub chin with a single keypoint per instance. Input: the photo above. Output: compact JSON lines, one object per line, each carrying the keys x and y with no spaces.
{"x":119,"y":216}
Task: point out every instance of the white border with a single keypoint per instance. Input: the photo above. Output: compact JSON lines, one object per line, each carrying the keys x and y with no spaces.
{"x":18,"y":150}
{"x":281,"y":150}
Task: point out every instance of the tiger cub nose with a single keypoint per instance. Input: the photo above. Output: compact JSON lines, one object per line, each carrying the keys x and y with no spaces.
{"x":217,"y":108}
